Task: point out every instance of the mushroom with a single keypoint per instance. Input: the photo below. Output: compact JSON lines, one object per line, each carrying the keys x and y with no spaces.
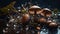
{"x":38,"y":27}
{"x":42,"y":20}
{"x":34,"y":10}
{"x":53,"y":24}
{"x":25,"y":18}
{"x":46,"y":12}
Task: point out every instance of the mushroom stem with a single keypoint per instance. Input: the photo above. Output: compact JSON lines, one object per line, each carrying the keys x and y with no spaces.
{"x":38,"y":32}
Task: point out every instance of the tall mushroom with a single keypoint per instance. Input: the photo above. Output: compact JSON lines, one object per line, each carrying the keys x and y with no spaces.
{"x":34,"y":10}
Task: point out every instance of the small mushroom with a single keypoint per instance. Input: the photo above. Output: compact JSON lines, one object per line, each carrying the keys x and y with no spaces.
{"x":38,"y":28}
{"x":42,"y":20}
{"x":46,"y":12}
{"x":52,"y":24}
{"x":25,"y":18}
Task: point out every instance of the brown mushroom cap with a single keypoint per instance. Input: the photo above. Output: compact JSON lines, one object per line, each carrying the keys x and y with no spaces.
{"x":25,"y":18}
{"x":38,"y":28}
{"x":33,"y":9}
{"x":43,"y":20}
{"x":52,"y":24}
{"x":46,"y":12}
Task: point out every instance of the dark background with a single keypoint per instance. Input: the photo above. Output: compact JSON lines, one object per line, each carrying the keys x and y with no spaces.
{"x":42,"y":3}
